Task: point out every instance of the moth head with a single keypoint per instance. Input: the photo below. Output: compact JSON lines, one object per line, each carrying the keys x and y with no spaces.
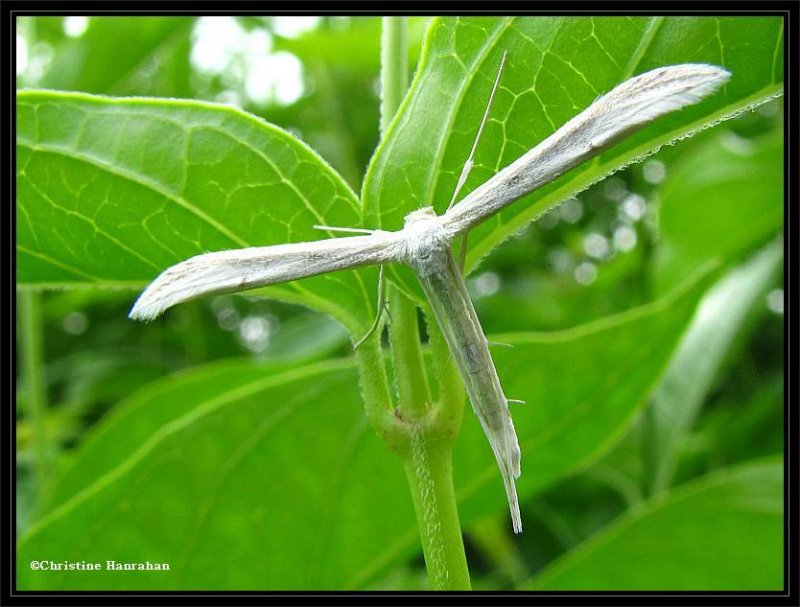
{"x":420,"y":216}
{"x":423,"y":235}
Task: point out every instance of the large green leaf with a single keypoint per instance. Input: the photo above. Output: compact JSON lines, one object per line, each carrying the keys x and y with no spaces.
{"x":722,"y":532}
{"x":249,"y":476}
{"x":358,"y":47}
{"x":117,"y":55}
{"x":556,"y":67}
{"x":720,"y":319}
{"x":112,"y":191}
{"x":723,"y":199}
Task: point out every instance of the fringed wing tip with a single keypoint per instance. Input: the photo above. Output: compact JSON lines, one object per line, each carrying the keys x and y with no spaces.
{"x":513,"y":500}
{"x":200,"y":275}
{"x":168,"y":289}
{"x":719,"y":72}
{"x":712,"y":77}
{"x":691,"y":82}
{"x":146,"y":310}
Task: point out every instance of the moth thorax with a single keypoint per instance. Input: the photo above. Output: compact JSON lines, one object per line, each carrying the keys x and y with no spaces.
{"x":424,"y":235}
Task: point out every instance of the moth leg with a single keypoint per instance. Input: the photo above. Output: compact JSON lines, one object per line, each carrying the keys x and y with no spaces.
{"x":380,"y":309}
{"x":516,"y":401}
{"x":347,"y":230}
{"x":382,"y":304}
{"x":500,"y":343}
{"x":386,"y":308}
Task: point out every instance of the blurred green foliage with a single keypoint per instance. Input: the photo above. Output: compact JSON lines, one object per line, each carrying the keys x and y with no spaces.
{"x":234,"y":423}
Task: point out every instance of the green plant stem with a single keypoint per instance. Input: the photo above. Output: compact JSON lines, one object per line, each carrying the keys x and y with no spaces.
{"x":31,"y":360}
{"x":429,"y":472}
{"x":394,"y":67}
{"x":427,"y":436}
{"x":451,"y":388}
{"x":348,"y":163}
{"x":375,"y":390}
{"x":412,"y":383}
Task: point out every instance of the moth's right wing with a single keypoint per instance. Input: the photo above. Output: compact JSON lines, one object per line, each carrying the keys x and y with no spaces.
{"x":617,"y":114}
{"x":239,"y":269}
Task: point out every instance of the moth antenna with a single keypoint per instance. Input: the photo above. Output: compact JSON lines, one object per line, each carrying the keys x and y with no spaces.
{"x":465,"y":170}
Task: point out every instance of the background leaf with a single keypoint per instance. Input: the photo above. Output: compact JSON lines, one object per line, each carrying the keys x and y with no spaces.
{"x":111,"y":192}
{"x":723,"y":532}
{"x":116,"y":54}
{"x":720,"y":319}
{"x":170,"y":476}
{"x":724,"y":198}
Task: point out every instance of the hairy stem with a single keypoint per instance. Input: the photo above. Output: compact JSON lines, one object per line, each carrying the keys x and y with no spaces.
{"x":451,"y":388}
{"x":430,"y":476}
{"x":375,"y":389}
{"x":427,"y":435}
{"x":394,"y":67}
{"x":412,"y":382}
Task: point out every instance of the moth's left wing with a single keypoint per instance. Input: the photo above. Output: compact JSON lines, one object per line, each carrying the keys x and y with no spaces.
{"x":441,"y":280}
{"x":240,"y":269}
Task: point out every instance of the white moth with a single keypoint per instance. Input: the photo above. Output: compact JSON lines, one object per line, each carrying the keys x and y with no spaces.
{"x":424,"y":243}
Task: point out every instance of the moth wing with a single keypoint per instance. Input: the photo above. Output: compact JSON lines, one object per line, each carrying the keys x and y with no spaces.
{"x":615,"y":115}
{"x":238,"y":269}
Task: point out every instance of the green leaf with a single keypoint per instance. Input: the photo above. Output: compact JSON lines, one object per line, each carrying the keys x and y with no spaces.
{"x":723,"y":199}
{"x":744,"y":427}
{"x":304,"y":337}
{"x":119,"y":55}
{"x":556,"y":67}
{"x":720,"y":319}
{"x":721,"y":532}
{"x":236,"y":456}
{"x":113,"y":191}
{"x":356,"y":47}
{"x":245,"y":476}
